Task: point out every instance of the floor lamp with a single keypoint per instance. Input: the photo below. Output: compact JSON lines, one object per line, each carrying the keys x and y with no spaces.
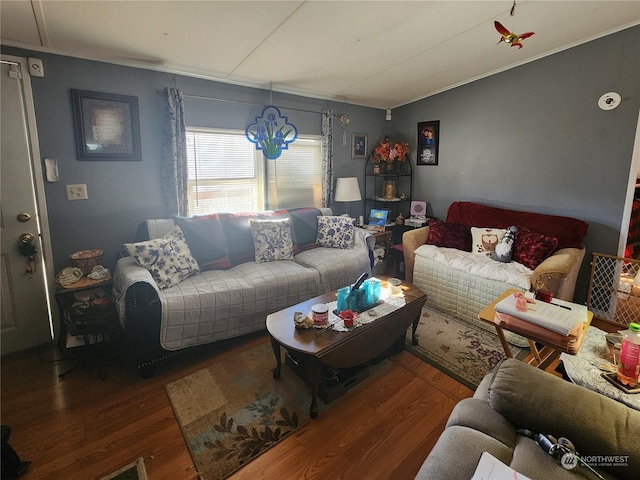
{"x":347,"y":190}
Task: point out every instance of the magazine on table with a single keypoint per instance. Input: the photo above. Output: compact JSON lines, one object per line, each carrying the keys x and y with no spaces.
{"x":559,"y":315}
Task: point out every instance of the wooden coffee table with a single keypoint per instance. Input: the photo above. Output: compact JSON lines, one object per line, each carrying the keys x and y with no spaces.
{"x":341,"y":349}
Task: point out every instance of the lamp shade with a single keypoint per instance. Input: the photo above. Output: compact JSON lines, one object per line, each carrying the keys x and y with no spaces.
{"x":347,"y":190}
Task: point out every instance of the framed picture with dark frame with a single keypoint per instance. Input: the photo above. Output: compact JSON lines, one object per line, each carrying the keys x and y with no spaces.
{"x":107,"y":126}
{"x":359,"y":145}
{"x":428,"y":142}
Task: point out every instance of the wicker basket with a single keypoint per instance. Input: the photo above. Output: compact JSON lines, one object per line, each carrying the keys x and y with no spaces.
{"x":85,"y":260}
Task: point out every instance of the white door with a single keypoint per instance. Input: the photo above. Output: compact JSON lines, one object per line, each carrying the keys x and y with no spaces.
{"x":26,"y":319}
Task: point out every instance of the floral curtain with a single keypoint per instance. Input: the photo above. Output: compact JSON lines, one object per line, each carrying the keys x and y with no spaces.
{"x":327,"y":158}
{"x":174,"y":163}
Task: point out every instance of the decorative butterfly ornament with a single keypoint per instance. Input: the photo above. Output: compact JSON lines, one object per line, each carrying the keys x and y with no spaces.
{"x":509,"y":37}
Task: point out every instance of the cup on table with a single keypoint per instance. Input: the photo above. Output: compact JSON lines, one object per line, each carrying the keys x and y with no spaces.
{"x":372,"y":289}
{"x":320,"y":313}
{"x":395,"y":286}
{"x":544,"y":296}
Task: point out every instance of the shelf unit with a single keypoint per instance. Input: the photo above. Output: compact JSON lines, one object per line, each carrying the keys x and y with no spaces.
{"x":377,"y":184}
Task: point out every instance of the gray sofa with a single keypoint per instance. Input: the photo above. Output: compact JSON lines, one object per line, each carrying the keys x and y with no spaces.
{"x":233,"y":293}
{"x":518,"y":396}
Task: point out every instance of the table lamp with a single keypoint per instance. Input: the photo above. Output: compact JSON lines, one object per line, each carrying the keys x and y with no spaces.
{"x":347,"y":190}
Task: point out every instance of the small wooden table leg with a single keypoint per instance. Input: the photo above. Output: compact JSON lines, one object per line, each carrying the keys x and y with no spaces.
{"x":550,"y":358}
{"x":534,"y":349}
{"x":503,"y":341}
{"x":314,"y":369}
{"x":276,"y":351}
{"x":414,"y":339}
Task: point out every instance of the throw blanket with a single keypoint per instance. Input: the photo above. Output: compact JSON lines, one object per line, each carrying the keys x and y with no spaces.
{"x":512,"y":273}
{"x":219,"y":304}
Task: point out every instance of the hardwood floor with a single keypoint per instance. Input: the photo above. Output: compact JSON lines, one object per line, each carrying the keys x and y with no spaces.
{"x":82,"y":427}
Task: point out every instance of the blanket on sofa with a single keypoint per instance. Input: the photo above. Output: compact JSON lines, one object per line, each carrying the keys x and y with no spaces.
{"x":512,"y":273}
{"x":219,"y":304}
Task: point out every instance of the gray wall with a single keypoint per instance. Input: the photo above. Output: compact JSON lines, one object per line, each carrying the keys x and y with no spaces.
{"x":123,"y":194}
{"x":531,"y":138}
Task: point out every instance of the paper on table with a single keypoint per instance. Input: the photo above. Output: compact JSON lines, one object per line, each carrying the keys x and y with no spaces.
{"x":490,"y":468}
{"x":559,"y":316}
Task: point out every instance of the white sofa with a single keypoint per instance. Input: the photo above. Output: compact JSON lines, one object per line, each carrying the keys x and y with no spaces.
{"x":235,"y":294}
{"x":455,"y":286}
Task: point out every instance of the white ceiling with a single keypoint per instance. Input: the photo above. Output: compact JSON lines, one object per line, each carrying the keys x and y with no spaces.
{"x":375,"y":53}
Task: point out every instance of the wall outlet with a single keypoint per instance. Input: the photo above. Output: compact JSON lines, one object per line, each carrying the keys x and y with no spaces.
{"x":77,"y":192}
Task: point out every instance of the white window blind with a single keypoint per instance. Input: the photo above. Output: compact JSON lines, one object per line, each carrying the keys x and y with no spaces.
{"x":295,"y":178}
{"x":227,"y":174}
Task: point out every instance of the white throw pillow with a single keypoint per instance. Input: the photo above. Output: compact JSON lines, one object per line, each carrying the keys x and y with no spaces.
{"x":484,"y":240}
{"x":167,"y":258}
{"x":335,"y":232}
{"x":272,"y":240}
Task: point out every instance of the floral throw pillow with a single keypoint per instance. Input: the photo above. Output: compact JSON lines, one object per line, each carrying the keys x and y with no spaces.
{"x":449,"y":235}
{"x":484,"y":240}
{"x":167,"y":258}
{"x":532,"y":248}
{"x":272,"y":240}
{"x":335,"y":232}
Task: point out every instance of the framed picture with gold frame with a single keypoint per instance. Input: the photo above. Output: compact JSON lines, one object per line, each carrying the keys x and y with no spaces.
{"x":107,"y":126}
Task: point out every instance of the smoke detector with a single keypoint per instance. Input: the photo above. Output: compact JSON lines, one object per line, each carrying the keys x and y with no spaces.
{"x":609,"y":101}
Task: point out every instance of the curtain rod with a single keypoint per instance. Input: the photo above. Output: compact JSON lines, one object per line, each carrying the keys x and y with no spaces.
{"x":216,"y":99}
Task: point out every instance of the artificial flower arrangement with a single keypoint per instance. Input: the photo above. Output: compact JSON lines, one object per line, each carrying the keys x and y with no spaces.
{"x":390,"y":152}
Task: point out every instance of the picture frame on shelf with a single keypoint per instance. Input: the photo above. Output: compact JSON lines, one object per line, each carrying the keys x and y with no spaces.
{"x":107,"y":126}
{"x":359,"y":145}
{"x":428,"y":142}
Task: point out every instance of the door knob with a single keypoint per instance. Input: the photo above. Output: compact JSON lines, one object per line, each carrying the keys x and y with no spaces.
{"x":23,"y":217}
{"x":26,"y":238}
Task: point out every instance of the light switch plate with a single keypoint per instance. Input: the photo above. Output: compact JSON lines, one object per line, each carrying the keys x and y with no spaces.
{"x":77,"y":191}
{"x":51,"y":169}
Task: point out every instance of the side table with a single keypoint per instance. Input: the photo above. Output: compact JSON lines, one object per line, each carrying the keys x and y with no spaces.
{"x":551,"y":350}
{"x":88,"y":320}
{"x":582,"y":369}
{"x":382,"y":238}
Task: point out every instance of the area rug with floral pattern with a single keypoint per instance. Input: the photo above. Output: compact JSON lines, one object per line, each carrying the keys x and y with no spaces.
{"x":458,"y":348}
{"x":235,"y":410}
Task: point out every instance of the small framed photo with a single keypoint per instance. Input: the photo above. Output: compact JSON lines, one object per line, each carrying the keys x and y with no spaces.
{"x":107,"y":126}
{"x":359,"y":145}
{"x":428,"y":142}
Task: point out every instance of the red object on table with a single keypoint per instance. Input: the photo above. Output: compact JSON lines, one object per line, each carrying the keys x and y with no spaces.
{"x":348,"y":317}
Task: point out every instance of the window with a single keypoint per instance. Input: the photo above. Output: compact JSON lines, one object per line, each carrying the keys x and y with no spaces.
{"x":227,"y":174}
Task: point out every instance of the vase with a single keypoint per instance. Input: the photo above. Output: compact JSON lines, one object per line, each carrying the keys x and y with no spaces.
{"x":388,"y":189}
{"x":390,"y":167}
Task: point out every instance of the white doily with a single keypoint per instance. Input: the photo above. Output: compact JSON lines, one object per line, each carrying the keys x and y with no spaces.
{"x":582,"y":368}
{"x":389,"y":304}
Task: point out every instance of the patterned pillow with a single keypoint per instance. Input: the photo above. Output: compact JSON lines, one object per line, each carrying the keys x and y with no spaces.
{"x":167,"y":258}
{"x":449,"y":235}
{"x":532,"y":248}
{"x":335,"y":232}
{"x":272,"y":240}
{"x":484,"y":240}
